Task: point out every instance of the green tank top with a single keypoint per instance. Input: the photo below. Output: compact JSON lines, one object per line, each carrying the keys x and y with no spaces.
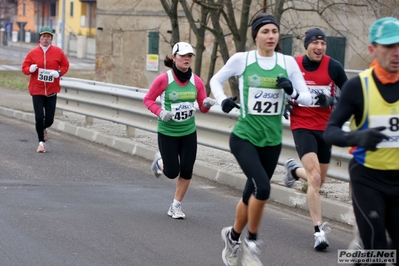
{"x":179,"y":100}
{"x":261,"y":102}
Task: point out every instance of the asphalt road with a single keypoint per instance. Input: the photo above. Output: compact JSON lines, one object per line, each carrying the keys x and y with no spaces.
{"x":84,"y":204}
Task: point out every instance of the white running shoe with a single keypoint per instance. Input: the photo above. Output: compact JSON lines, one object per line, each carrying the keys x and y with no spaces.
{"x":155,"y":167}
{"x":41,"y":148}
{"x":288,"y":178}
{"x":231,"y":247}
{"x":320,"y":238}
{"x":250,"y":253}
{"x":175,"y":212}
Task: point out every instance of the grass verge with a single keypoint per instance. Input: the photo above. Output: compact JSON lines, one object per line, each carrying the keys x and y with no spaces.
{"x":17,"y":80}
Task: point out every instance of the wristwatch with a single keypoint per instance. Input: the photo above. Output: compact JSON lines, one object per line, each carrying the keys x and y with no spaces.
{"x":59,"y":72}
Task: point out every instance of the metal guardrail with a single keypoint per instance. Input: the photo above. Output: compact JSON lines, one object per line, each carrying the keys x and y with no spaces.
{"x":124,"y":105}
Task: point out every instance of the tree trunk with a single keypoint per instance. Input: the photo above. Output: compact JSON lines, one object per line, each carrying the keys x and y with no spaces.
{"x":171,"y":11}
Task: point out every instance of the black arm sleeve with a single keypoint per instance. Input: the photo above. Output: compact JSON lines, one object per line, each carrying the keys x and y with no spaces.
{"x":351,"y":103}
{"x":337,"y":73}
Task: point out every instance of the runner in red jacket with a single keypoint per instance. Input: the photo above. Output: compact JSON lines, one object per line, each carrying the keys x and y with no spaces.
{"x":45,"y":64}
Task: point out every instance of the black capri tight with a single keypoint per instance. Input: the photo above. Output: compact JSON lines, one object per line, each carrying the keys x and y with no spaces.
{"x":44,"y":108}
{"x":258,"y":164}
{"x":178,"y":155}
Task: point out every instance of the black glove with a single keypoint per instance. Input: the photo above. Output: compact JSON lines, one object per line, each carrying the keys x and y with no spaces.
{"x":324,"y":100}
{"x":288,"y":108}
{"x":229,"y":103}
{"x":367,"y":139}
{"x":285,"y":84}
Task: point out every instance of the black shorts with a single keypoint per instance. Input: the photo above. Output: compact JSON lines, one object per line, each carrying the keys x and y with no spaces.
{"x":307,"y":141}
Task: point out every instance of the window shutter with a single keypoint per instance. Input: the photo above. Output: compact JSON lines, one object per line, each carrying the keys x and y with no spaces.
{"x":336,"y":48}
{"x":153,"y":42}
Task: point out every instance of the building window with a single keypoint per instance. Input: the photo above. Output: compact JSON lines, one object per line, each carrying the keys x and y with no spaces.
{"x":53,"y":11}
{"x":71,"y":9}
{"x":23,"y":9}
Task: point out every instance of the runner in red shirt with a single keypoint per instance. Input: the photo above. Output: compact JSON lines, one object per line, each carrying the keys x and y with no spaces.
{"x":324,"y":76}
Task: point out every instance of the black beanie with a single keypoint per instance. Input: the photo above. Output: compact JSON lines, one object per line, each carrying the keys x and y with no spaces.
{"x":312,"y":35}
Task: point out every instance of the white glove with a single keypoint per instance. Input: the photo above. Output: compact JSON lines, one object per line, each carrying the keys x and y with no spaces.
{"x":32,"y":68}
{"x":55,"y":73}
{"x":209,"y":102}
{"x":165,"y":115}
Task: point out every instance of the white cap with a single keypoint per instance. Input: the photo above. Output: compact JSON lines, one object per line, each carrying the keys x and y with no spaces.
{"x":182,"y":48}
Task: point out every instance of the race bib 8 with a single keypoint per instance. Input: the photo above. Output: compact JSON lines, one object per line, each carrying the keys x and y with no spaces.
{"x":391,"y":122}
{"x":262,"y":101}
{"x":44,"y":75}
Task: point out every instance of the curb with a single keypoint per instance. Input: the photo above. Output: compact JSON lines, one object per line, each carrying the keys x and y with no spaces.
{"x":333,"y":210}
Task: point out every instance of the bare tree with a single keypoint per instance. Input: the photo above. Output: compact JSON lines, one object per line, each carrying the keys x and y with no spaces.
{"x":219,"y":17}
{"x":198,"y":26}
{"x":7,"y":10}
{"x":170,"y":8}
{"x":223,"y":23}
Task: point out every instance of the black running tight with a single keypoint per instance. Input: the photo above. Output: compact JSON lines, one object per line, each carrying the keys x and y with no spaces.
{"x":375,"y":195}
{"x":44,"y":108}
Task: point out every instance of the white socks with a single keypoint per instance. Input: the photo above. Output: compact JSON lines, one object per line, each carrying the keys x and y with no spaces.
{"x":176,"y":202}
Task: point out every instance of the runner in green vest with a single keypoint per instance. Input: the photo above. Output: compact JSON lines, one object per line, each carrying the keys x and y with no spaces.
{"x":177,"y":89}
{"x":266,"y":78}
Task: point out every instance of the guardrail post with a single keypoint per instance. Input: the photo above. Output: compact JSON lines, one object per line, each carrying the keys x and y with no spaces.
{"x":89,"y":120}
{"x":130,"y":132}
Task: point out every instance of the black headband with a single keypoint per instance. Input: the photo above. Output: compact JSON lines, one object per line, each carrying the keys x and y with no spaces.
{"x":263,"y":21}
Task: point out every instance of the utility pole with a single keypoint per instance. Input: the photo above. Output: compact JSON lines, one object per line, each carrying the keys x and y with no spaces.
{"x":62,"y":30}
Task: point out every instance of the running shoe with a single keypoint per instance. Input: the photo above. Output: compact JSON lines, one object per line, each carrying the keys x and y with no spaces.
{"x":288,"y":177}
{"x":175,"y":212}
{"x":356,"y":243}
{"x":41,"y":148}
{"x":45,"y":135}
{"x":231,"y":247}
{"x":155,"y":167}
{"x":320,"y":238}
{"x":250,"y":253}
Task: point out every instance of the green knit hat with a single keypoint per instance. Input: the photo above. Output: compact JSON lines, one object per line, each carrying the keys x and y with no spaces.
{"x":46,"y":30}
